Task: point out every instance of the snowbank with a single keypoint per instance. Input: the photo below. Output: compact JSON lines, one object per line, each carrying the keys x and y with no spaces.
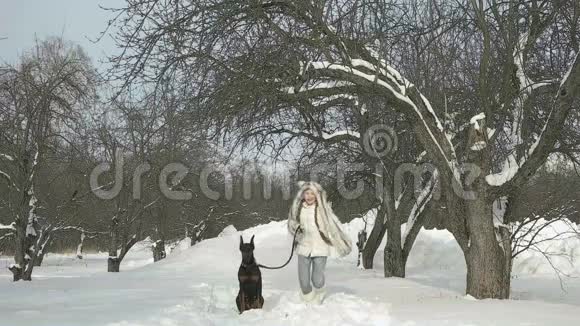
{"x":228,"y":230}
{"x":197,"y":286}
{"x":557,"y":248}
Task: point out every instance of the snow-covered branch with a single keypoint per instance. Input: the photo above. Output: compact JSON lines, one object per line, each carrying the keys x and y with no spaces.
{"x":11,"y":227}
{"x":6,"y":176}
{"x":513,"y":131}
{"x":401,"y":92}
{"x":516,"y":172}
{"x":6,"y":157}
{"x":335,"y":137}
{"x":421,"y":201}
{"x":76,"y":228}
{"x":7,"y":236}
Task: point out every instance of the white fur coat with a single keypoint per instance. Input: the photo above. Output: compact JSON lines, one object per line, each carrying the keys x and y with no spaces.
{"x":328,"y":222}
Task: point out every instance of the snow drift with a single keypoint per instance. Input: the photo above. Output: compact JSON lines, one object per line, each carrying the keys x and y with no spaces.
{"x":198,"y":285}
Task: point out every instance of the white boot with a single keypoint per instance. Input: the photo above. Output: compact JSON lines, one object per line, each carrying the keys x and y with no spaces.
{"x":319,"y":295}
{"x":308,"y":297}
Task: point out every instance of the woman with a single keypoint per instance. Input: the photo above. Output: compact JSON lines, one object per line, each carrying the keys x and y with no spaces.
{"x":319,"y":236}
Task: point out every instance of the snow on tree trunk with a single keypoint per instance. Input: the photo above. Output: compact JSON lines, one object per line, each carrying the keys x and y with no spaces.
{"x":374,"y":240}
{"x":113,"y":262}
{"x":16,"y":272}
{"x":19,"y":252}
{"x":41,"y":246}
{"x":36,"y":251}
{"x":159,"y":250}
{"x":197,"y":232}
{"x":26,"y":228}
{"x":115,"y":259}
{"x":39,"y":259}
{"x":158,"y":247}
{"x":388,"y":222}
{"x":21,"y":240}
{"x":80,"y":246}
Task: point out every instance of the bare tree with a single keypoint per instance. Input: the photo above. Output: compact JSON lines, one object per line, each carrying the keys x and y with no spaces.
{"x":39,"y":98}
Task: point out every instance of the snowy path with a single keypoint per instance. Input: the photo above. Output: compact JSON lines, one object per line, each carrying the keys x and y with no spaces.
{"x":197,"y":286}
{"x":281,"y":307}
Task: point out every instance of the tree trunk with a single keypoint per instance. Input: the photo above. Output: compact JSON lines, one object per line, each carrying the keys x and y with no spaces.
{"x":38,"y":244}
{"x":505,"y":235}
{"x":39,"y":259}
{"x":374,"y":241}
{"x":159,"y":250}
{"x":27,"y":274}
{"x":41,"y":247}
{"x":394,"y":261}
{"x":80,"y":246}
{"x":159,"y":245}
{"x":16,"y":272}
{"x":488,"y":276}
{"x":113,"y":264}
{"x":488,"y":266}
{"x":19,"y":252}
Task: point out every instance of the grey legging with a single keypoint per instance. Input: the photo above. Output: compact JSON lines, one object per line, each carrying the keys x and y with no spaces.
{"x":318,"y":264}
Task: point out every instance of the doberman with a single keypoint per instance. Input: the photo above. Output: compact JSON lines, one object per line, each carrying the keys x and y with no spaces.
{"x":250,"y":294}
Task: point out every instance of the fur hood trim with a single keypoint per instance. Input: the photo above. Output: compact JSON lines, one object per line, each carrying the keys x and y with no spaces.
{"x":328,"y":222}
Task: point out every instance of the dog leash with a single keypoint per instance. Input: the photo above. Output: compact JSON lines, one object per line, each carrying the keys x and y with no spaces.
{"x":291,"y":253}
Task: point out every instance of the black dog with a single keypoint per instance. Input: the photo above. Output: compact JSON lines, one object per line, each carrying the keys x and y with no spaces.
{"x":250,"y":294}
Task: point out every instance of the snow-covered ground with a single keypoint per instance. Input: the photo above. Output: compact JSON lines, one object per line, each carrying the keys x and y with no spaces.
{"x":198,"y":285}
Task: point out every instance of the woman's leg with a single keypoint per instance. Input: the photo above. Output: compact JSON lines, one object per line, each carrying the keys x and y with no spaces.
{"x":304,"y":273}
{"x":318,"y":267}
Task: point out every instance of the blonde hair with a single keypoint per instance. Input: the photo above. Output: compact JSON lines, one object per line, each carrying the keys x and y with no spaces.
{"x":299,"y":211}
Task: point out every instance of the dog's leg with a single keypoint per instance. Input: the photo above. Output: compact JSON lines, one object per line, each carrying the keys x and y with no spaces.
{"x":260,"y":302}
{"x":256,"y":303}
{"x":239,"y":302}
{"x":243,"y":302}
{"x":260,"y":299}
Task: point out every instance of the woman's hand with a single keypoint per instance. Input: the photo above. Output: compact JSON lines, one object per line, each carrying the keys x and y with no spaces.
{"x":298,"y":235}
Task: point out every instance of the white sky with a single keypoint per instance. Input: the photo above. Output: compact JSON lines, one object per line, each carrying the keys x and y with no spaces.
{"x":21,"y":21}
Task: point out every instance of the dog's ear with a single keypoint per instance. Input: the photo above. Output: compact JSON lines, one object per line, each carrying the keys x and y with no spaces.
{"x":252,"y":240}
{"x":241,"y":241}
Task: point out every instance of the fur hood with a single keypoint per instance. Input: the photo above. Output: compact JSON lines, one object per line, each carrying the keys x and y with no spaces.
{"x":328,"y":222}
